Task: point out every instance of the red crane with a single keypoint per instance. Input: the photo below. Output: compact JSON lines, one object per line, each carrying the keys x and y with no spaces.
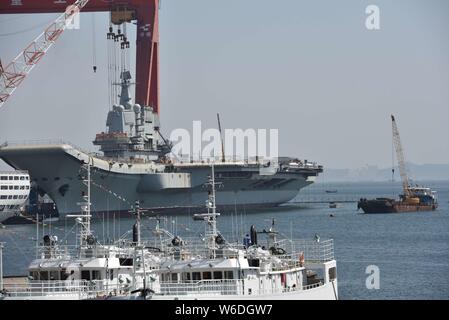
{"x":147,"y":47}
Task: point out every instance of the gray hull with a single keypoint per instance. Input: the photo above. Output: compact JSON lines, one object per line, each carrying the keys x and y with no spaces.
{"x":56,"y":169}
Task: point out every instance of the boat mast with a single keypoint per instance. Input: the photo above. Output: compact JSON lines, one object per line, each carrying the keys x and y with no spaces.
{"x":84,"y":218}
{"x":210,"y":218}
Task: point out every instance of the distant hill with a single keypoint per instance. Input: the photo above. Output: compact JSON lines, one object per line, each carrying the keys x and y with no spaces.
{"x":418,"y":172}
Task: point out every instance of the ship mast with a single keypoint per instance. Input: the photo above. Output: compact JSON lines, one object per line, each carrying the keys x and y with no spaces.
{"x":400,"y":158}
{"x":210,"y":218}
{"x":85,"y":234}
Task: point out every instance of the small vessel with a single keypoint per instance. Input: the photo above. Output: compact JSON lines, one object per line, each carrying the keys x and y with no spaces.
{"x":14,"y":191}
{"x":418,"y":199}
{"x":219,"y":269}
{"x":414,"y":198}
{"x":86,"y":270}
{"x":331,"y":191}
{"x":169,"y":267}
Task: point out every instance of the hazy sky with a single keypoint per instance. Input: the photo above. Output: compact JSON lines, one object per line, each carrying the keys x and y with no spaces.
{"x":309,"y":68}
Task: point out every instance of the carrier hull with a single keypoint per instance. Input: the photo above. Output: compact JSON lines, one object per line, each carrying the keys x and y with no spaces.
{"x":55,"y":168}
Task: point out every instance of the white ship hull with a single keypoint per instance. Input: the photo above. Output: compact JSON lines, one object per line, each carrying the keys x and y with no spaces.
{"x":14,"y":191}
{"x":327,"y":291}
{"x":117,"y":186}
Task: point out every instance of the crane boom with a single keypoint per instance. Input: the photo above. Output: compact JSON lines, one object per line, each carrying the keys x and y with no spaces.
{"x":221,"y":137}
{"x":14,"y":73}
{"x":400,"y":158}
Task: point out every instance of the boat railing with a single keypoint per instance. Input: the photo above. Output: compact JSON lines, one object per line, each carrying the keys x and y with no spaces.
{"x":83,"y":289}
{"x":223,"y":287}
{"x":313,"y":251}
{"x":13,"y":172}
{"x":190,"y":247}
{"x":70,"y":251}
{"x":210,"y":287}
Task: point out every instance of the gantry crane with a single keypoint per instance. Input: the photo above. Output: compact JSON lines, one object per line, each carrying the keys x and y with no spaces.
{"x":147,"y":48}
{"x":14,"y":73}
{"x":400,"y":158}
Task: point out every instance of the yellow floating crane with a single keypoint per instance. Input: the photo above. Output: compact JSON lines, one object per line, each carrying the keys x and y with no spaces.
{"x":408,"y":194}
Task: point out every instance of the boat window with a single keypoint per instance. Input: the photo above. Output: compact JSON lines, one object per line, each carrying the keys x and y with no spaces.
{"x":54,"y":275}
{"x":16,"y":178}
{"x":63,"y":275}
{"x":15,"y":197}
{"x":126,"y":261}
{"x":9,"y":197}
{"x":43,"y":275}
{"x":207,"y":275}
{"x":196,"y":276}
{"x":27,"y":187}
{"x":3,"y":197}
{"x":96,"y":275}
{"x":3,"y":178}
{"x":332,"y":273}
{"x":112,"y":275}
{"x":4,"y":188}
{"x":2,"y":208}
{"x":229,"y":275}
{"x":20,"y":197}
{"x":174,"y":277}
{"x":11,"y":187}
{"x":16,"y":187}
{"x":85,"y":275}
{"x":27,"y":178}
{"x":22,"y":187}
{"x":34,"y":275}
{"x":11,"y":178}
{"x":165,"y":277}
{"x":22,"y":178}
{"x":186,"y":276}
{"x":218,"y":275}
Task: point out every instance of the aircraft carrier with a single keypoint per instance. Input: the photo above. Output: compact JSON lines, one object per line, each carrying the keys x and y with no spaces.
{"x":134,"y":167}
{"x":134,"y":162}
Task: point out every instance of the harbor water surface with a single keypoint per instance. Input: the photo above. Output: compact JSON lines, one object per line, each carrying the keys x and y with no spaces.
{"x":411,"y":250}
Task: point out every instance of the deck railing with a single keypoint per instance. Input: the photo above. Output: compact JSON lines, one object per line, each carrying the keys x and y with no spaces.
{"x":210,"y":287}
{"x":223,"y":287}
{"x":75,"y":289}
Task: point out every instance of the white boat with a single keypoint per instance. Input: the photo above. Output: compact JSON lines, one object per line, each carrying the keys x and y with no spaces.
{"x":86,"y":270}
{"x":14,"y":192}
{"x":169,"y":267}
{"x":216,"y":269}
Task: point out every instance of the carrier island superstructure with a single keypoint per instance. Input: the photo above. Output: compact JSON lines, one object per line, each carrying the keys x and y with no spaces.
{"x":134,"y":166}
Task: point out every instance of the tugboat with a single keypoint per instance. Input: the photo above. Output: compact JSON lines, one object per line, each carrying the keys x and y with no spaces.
{"x":413,"y":199}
